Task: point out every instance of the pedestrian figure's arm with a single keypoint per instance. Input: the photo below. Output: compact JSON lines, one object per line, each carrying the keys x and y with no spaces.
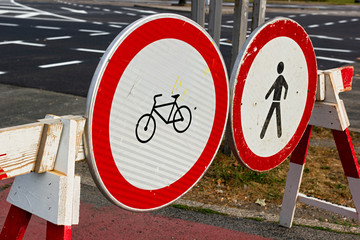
{"x":286,"y":88}
{"x":270,"y":90}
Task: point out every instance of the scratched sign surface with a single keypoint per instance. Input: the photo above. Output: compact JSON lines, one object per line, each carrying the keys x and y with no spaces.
{"x":157,"y":110}
{"x":273,"y":91}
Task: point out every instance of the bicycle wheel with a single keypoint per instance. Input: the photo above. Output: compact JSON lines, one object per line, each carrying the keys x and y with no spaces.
{"x":145,"y":128}
{"x":182,"y":119}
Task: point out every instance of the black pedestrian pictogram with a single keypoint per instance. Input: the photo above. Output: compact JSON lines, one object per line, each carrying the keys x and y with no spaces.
{"x":146,"y":125}
{"x":277,"y":87}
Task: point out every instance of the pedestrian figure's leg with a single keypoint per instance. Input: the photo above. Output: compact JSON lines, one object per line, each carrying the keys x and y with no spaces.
{"x":268,"y":118}
{"x":278,"y":120}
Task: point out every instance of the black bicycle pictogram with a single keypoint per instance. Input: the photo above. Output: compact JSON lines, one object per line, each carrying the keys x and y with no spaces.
{"x":146,"y":125}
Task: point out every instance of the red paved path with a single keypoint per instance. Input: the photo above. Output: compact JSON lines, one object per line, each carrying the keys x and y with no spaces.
{"x":115,"y":223}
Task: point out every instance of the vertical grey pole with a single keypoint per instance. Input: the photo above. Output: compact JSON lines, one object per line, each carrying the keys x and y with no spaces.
{"x":198,"y":11}
{"x":215,"y":20}
{"x":240,"y":27}
{"x":258,"y":17}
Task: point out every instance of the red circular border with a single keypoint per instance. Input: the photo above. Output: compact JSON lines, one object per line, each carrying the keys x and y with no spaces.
{"x":114,"y":183}
{"x":272,"y":30}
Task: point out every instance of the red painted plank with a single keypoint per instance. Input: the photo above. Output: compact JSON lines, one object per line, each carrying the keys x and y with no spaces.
{"x":347,"y":154}
{"x":298,"y":156}
{"x":58,"y":232}
{"x":15,"y":224}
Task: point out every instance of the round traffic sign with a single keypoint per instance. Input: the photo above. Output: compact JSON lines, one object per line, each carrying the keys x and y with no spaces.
{"x":273,"y":92}
{"x":157,"y":109}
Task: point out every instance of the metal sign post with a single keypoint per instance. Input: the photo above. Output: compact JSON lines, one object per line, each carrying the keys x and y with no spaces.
{"x":198,"y":11}
{"x":215,"y":14}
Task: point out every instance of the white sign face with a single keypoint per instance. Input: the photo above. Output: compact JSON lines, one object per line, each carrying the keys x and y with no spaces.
{"x":273,"y":102}
{"x":169,"y":154}
{"x":157,"y":110}
{"x":273,"y":92}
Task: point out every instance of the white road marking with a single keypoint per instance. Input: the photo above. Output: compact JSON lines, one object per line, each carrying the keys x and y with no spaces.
{"x":89,"y":50}
{"x":118,"y":12}
{"x":139,"y":10}
{"x":226,"y":43}
{"x":74,"y":10}
{"x":326,"y":37}
{"x":1,"y":73}
{"x":292,"y":16}
{"x":98,"y":23}
{"x":329,"y":23}
{"x":19,"y":42}
{"x":354,"y":20}
{"x":226,"y":26}
{"x":115,"y":26}
{"x":131,"y":14}
{"x":48,"y":27}
{"x":106,"y":10}
{"x":9,"y":24}
{"x":96,"y":8}
{"x":60,"y":64}
{"x":314,"y":26}
{"x":334,"y":59}
{"x":28,"y":15}
{"x":119,"y":23}
{"x":99,"y":34}
{"x":332,"y":50}
{"x":343,"y":21}
{"x":90,"y":31}
{"x":57,"y":38}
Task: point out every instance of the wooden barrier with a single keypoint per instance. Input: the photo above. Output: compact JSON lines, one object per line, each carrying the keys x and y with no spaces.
{"x":42,"y":157}
{"x":329,"y":112}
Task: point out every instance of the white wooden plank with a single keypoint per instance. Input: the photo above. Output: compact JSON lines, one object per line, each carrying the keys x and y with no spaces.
{"x":330,"y":115}
{"x":76,"y":200}
{"x":342,"y":210}
{"x":320,"y":87}
{"x":48,"y":146}
{"x":18,"y":149}
{"x":292,"y":186}
{"x":44,"y":195}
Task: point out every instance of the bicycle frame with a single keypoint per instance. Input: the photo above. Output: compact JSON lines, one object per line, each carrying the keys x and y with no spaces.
{"x":174,"y":104}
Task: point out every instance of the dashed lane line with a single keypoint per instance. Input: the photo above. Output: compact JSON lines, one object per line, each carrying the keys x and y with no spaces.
{"x":99,"y":34}
{"x":313,"y":26}
{"x":1,"y":73}
{"x":60,"y":64}
{"x":48,"y":27}
{"x":326,"y":37}
{"x":332,"y":50}
{"x":89,"y":50}
{"x":9,"y":24}
{"x":57,"y":38}
{"x":334,"y":59}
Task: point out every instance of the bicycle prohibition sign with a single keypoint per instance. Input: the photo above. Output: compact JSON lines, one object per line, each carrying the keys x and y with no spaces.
{"x":180,"y":117}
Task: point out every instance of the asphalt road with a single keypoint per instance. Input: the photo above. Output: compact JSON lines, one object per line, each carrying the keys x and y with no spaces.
{"x":57,"y":45}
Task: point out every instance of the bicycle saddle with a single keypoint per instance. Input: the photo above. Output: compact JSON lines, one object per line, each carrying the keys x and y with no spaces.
{"x":175,"y":96}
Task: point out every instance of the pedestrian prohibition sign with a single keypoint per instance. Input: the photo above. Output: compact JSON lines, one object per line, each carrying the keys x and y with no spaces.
{"x":157,"y":109}
{"x":273,"y":92}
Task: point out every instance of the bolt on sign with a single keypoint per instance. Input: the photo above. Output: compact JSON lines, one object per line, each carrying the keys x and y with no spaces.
{"x":157,"y":109}
{"x":273,"y":86}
